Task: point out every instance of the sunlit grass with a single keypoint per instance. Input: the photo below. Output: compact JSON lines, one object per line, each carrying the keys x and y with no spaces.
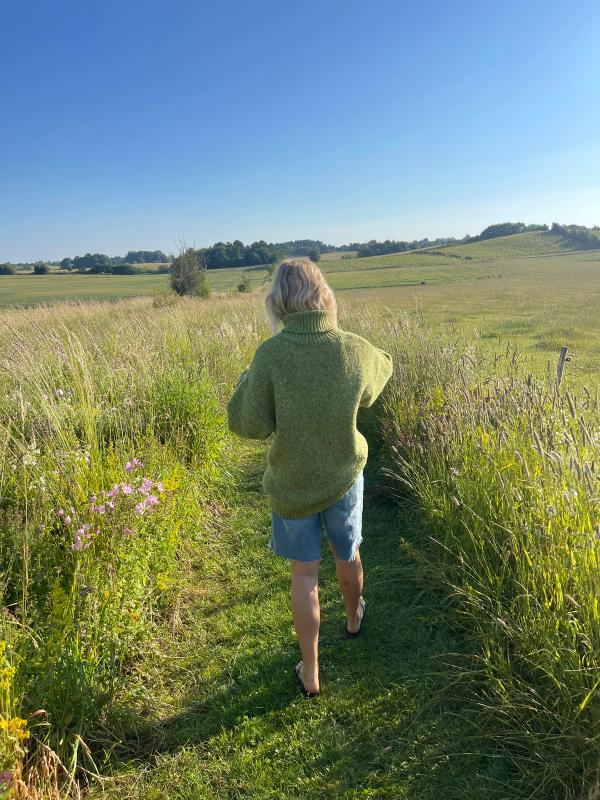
{"x":493,"y":541}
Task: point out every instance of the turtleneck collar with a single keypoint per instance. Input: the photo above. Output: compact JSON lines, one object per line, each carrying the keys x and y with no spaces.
{"x":317,"y":321}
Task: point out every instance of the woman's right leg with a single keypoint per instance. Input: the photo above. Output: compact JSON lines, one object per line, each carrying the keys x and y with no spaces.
{"x":350,"y":580}
{"x":343,"y":523}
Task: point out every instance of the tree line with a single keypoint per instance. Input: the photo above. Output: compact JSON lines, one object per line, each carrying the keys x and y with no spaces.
{"x":578,"y":236}
{"x":236,"y":254}
{"x":375,"y":248}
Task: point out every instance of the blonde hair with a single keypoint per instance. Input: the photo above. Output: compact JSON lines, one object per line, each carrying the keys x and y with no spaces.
{"x":299,"y":285}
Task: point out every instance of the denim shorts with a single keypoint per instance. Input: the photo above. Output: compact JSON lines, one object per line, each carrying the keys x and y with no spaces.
{"x":300,"y":539}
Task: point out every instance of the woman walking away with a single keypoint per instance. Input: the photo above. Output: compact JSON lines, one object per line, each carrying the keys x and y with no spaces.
{"x":305,"y":385}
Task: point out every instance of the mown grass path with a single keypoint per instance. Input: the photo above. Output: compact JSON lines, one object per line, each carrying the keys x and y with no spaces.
{"x":223,"y":717}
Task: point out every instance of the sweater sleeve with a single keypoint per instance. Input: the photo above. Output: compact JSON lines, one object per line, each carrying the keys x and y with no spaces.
{"x":251,"y":409}
{"x":378,"y":374}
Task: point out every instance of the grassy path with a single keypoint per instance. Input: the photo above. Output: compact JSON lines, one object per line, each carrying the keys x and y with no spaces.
{"x":223,"y":718}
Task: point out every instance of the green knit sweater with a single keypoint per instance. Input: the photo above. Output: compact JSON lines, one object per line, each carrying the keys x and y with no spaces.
{"x":305,"y":385}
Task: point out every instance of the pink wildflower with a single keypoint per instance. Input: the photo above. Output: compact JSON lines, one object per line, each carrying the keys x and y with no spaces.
{"x":160,"y":487}
{"x":127,"y":531}
{"x":6,"y":778}
{"x":61,"y":512}
{"x":77,"y":543}
{"x":146,"y":485}
{"x":139,"y":509}
{"x":126,"y":489}
{"x":67,"y":520}
{"x":114,"y":492}
{"x":151,"y":500}
{"x":100,"y":509}
{"x":133,"y":464}
{"x":93,"y":498}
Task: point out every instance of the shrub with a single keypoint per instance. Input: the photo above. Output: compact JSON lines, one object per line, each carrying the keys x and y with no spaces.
{"x":123,"y":269}
{"x":205,"y":289}
{"x":244,"y":285}
{"x":187,"y":272}
{"x":165,"y":299}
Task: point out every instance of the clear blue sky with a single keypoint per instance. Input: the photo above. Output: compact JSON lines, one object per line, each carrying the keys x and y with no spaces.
{"x":141,"y":124}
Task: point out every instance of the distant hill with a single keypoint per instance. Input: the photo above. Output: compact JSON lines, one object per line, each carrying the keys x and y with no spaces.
{"x":559,"y":239}
{"x":534,"y":243}
{"x":518,"y":245}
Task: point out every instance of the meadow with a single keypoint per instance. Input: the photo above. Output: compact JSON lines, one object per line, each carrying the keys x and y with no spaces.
{"x":145,"y":641}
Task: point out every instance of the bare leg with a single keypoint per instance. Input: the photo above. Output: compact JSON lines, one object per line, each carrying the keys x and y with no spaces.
{"x":307,"y":616}
{"x":350,"y":580}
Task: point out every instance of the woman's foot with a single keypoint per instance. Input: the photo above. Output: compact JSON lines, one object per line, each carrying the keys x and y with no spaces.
{"x":309,"y":685}
{"x":354,"y":624}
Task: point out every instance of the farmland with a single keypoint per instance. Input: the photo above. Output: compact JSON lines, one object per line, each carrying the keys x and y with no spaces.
{"x":537,"y":302}
{"x":127,"y":650}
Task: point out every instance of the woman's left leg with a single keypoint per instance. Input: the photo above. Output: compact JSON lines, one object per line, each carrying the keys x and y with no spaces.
{"x":307,"y":616}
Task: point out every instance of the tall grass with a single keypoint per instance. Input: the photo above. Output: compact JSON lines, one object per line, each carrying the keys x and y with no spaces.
{"x":112,"y":440}
{"x":504,"y":467}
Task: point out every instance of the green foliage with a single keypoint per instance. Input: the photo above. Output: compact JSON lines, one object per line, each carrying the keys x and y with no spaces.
{"x":7,"y":269}
{"x":508,"y":228}
{"x":375,"y":248}
{"x":236,"y":254}
{"x":122,"y":269}
{"x":165,"y":299}
{"x":314,"y":255}
{"x":578,"y":237}
{"x":40,"y":268}
{"x":500,"y":467}
{"x":244,"y":285}
{"x":90,"y":538}
{"x":187,"y":272}
{"x":93,"y":262}
{"x":205,"y":289}
{"x":145,"y":257}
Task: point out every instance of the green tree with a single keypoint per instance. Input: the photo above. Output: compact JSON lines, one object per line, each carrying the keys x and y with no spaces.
{"x":314,"y":255}
{"x":188,"y":272}
{"x":66,"y":263}
{"x":39,"y":268}
{"x":7,"y":269}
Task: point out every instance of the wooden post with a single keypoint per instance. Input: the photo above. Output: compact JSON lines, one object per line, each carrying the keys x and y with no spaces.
{"x":561,"y":363}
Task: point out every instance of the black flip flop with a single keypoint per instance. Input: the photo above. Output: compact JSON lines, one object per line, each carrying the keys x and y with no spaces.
{"x":303,"y":688}
{"x":362,"y":619}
